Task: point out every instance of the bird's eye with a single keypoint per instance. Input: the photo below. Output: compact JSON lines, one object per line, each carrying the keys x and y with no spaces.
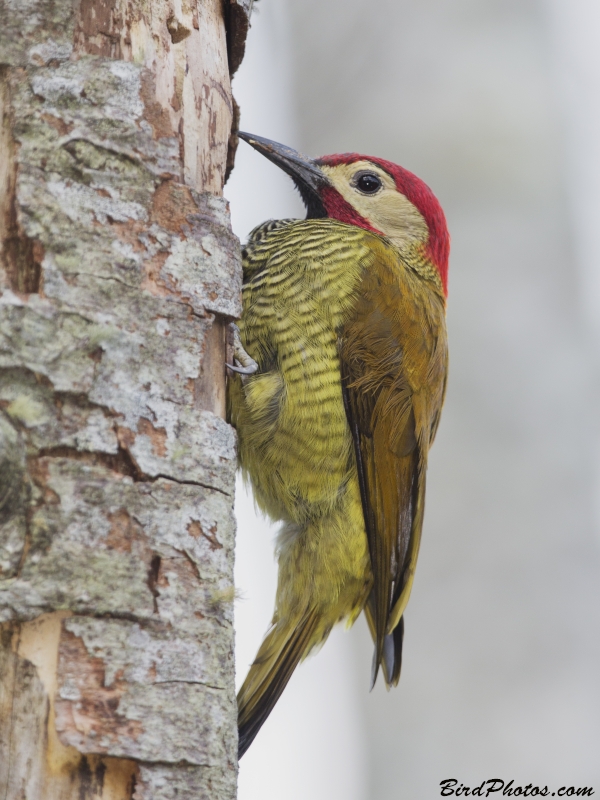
{"x":367,"y":183}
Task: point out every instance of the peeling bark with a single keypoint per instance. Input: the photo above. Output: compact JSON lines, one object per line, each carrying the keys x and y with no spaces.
{"x":118,"y":275}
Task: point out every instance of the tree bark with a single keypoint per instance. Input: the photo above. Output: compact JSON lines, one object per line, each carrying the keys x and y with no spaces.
{"x":119,"y":273}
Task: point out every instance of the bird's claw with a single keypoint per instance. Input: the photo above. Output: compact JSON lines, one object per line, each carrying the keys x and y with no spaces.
{"x":247,"y":365}
{"x":249,"y":370}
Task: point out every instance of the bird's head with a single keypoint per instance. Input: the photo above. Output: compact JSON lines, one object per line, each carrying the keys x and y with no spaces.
{"x":368,"y":192}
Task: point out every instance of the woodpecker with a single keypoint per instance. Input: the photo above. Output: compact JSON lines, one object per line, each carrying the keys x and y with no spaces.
{"x":340,"y":374}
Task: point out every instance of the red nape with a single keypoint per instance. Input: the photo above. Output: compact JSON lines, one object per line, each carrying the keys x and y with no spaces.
{"x":414,"y":189}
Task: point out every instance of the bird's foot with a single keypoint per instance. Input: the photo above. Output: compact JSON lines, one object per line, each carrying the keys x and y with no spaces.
{"x":246,"y":365}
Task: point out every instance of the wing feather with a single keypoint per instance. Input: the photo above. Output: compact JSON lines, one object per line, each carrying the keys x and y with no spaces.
{"x":393,"y":363}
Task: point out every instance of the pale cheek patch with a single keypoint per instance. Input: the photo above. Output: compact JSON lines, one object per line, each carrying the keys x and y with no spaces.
{"x":396,"y":216}
{"x":388,"y":211}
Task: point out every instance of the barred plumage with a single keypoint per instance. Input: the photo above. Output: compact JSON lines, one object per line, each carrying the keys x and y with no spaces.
{"x":347,"y":327}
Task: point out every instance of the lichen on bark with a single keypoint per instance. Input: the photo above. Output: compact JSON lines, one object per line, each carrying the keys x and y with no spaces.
{"x":119,"y":273}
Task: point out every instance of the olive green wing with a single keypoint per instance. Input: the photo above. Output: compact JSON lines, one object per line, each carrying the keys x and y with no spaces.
{"x":393,"y":363}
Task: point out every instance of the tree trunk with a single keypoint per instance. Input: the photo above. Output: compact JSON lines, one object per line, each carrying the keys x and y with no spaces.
{"x":119,"y":273}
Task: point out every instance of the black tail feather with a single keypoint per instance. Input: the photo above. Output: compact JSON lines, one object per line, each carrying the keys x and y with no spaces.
{"x":254,"y":710}
{"x":393,"y":674}
{"x":391,"y":658}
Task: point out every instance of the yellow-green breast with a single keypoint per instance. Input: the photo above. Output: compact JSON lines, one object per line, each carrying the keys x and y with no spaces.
{"x":294,"y":441}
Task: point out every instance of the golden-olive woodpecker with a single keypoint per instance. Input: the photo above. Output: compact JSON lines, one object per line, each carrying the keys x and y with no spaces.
{"x":343,"y":353}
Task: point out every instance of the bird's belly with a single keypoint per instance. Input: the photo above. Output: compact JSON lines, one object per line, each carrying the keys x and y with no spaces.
{"x":304,"y":473}
{"x":295,"y":441}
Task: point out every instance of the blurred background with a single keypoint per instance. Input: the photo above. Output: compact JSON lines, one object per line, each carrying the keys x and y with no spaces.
{"x":496,"y":105}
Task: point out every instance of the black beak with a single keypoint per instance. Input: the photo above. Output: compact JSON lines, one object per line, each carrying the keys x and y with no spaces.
{"x":305,"y":173}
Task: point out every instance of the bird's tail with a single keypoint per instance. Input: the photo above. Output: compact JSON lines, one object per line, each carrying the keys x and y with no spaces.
{"x":391,"y":659}
{"x":284,"y":646}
